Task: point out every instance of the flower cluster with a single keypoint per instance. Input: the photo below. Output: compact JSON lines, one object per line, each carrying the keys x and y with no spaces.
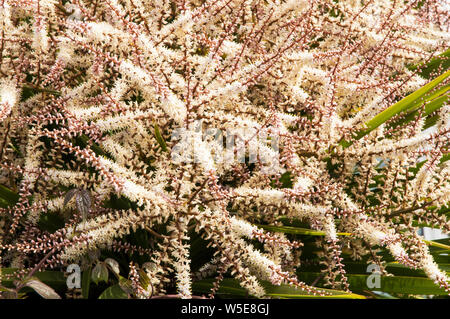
{"x":92,"y":91}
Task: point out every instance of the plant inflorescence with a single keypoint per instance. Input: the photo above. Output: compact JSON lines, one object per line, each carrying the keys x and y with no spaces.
{"x":91,"y":93}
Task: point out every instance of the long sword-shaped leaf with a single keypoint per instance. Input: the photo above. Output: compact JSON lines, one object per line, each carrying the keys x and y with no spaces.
{"x":54,"y":279}
{"x":440,"y":62}
{"x":160,"y":138}
{"x":86,"y":282}
{"x":7,"y":197}
{"x":392,"y":284}
{"x":297,"y":230}
{"x":113,"y":292}
{"x":312,"y":232}
{"x":431,"y":104}
{"x":404,"y":104}
{"x":231,"y":287}
{"x":436,"y":244}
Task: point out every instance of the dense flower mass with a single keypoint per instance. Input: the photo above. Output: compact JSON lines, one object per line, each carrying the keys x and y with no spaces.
{"x":92,"y":93}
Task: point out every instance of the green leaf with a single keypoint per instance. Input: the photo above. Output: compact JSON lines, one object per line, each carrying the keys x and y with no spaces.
{"x":113,"y":292}
{"x":160,"y":139}
{"x":404,"y":104}
{"x":400,"y":284}
{"x":444,"y":158}
{"x":394,"y":284}
{"x":441,"y":62}
{"x":398,"y":269}
{"x":296,"y":230}
{"x":50,"y":222}
{"x":100,"y":273}
{"x":86,"y":282}
{"x":144,"y":280}
{"x":84,"y":141}
{"x":8,"y":197}
{"x":436,"y":244}
{"x":286,"y":180}
{"x":442,"y":92}
{"x":430,"y":121}
{"x":125,"y":285}
{"x":3,"y":203}
{"x":54,"y":279}
{"x":40,"y":90}
{"x":4,"y":289}
{"x":232,"y":287}
{"x":432,"y":103}
{"x":287,"y":291}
